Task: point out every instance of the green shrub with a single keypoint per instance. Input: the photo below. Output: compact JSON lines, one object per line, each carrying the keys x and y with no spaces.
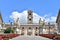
{"x":9,"y":30}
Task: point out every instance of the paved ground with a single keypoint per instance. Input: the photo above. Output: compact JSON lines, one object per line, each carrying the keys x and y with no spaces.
{"x":30,"y":38}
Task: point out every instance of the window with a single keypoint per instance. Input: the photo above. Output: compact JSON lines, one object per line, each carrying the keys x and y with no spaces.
{"x":29,"y":27}
{"x":22,"y":27}
{"x":29,"y":13}
{"x":36,"y":27}
{"x":29,"y":19}
{"x":36,"y":34}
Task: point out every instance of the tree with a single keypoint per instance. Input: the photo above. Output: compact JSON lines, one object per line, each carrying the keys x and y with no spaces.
{"x":9,"y":30}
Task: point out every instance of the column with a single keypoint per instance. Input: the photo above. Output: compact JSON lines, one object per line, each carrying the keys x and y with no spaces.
{"x":37,"y":31}
{"x":33,"y":32}
{"x":20,"y":31}
{"x":25,"y":31}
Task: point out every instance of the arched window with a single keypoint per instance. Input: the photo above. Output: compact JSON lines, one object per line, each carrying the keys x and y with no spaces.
{"x":22,"y":27}
{"x":29,"y":19}
{"x":29,"y":13}
{"x":29,"y":27}
{"x":36,"y":34}
{"x":36,"y":28}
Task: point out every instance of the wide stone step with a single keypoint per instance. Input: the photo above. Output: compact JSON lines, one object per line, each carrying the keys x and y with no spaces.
{"x":30,"y":38}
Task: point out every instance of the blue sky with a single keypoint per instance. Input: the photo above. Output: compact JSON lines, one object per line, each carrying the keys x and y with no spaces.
{"x":41,"y":7}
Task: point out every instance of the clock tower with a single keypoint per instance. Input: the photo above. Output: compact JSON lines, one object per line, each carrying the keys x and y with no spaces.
{"x":30,"y":17}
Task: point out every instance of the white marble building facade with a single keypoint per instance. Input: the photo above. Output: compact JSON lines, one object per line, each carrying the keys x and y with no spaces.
{"x":29,"y":28}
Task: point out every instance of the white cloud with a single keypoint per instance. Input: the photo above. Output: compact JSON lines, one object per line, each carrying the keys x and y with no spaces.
{"x":23,"y":17}
{"x":51,"y":19}
{"x":15,"y":15}
{"x":36,"y":18}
